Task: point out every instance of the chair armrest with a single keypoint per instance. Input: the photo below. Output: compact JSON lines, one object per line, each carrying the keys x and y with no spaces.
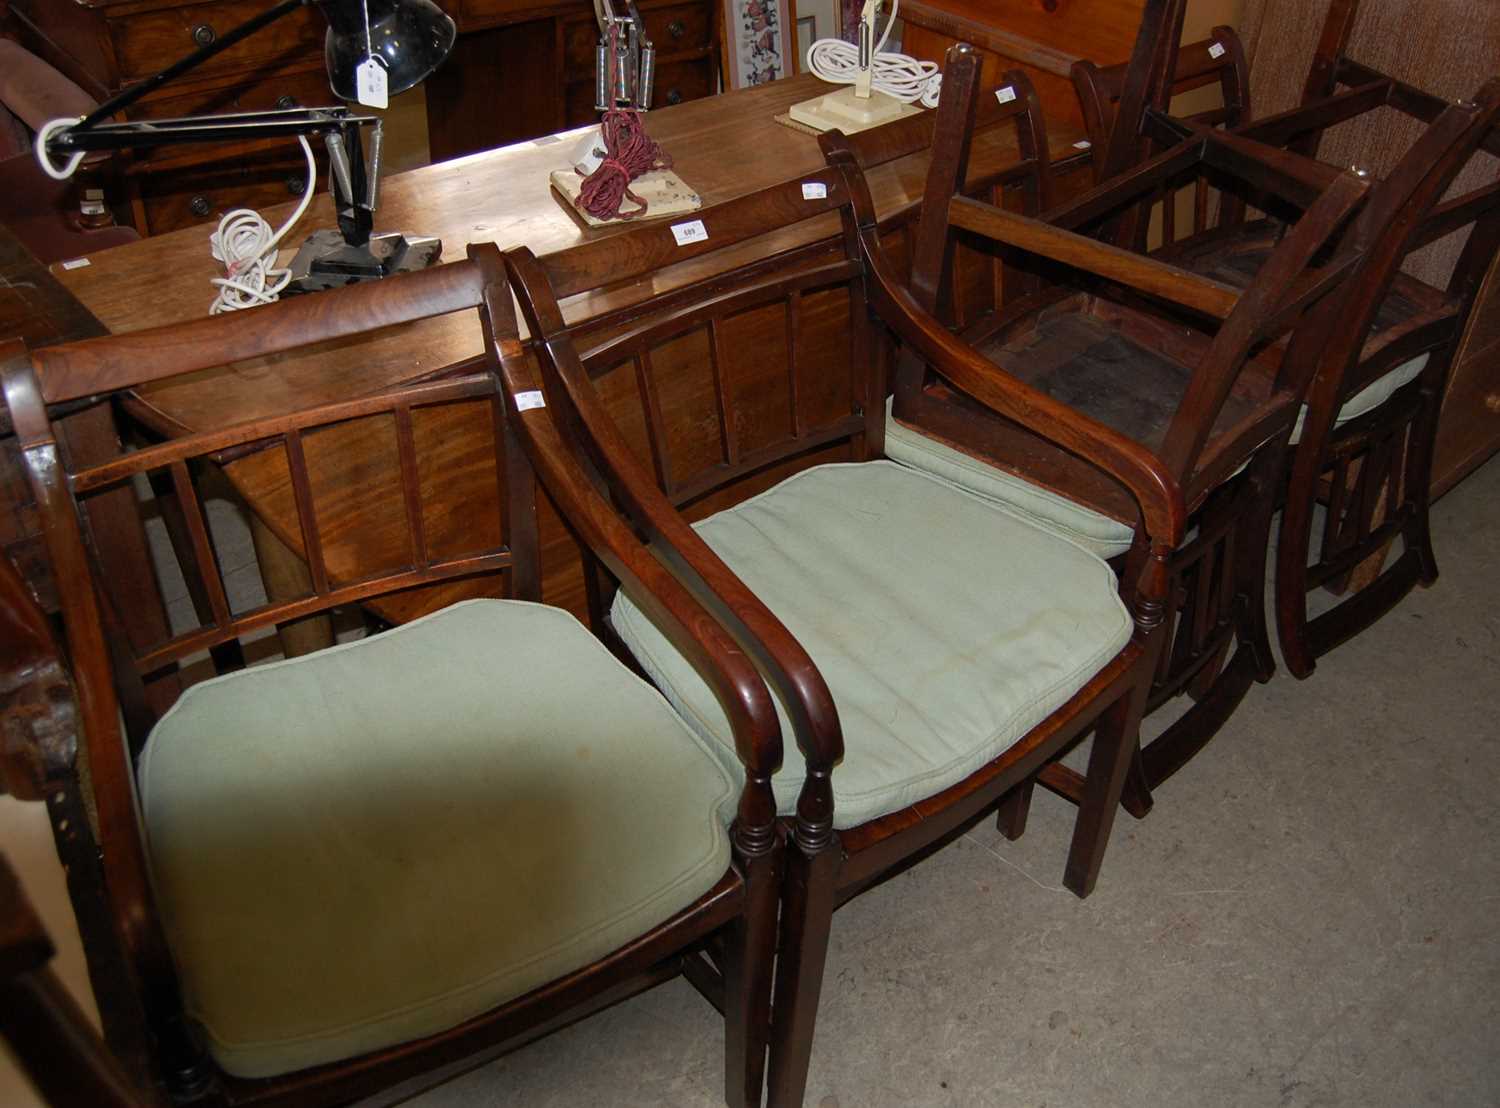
{"x":1146,"y":476}
{"x":34,"y":91}
{"x":1140,"y":272}
{"x":675,"y":547}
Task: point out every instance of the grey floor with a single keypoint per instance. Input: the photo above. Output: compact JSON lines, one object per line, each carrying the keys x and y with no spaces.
{"x":1308,"y":918}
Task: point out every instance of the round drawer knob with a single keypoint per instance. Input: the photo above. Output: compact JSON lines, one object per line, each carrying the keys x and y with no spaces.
{"x":286,"y":103}
{"x":296,"y":185}
{"x":1049,"y":5}
{"x":673,"y":96}
{"x":200,"y":206}
{"x":203,"y":34}
{"x":1492,"y":402}
{"x":677,"y":28}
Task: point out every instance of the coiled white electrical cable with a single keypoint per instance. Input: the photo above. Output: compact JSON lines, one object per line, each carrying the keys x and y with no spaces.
{"x":246,"y":247}
{"x":44,"y":159}
{"x":899,"y":76}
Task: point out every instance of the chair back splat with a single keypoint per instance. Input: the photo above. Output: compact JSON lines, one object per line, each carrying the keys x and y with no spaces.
{"x":321,"y":878}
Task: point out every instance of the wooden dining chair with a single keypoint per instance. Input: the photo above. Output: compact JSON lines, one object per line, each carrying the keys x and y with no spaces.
{"x":1179,"y":364}
{"x":1218,"y":60}
{"x":1362,"y":469}
{"x":928,"y":651}
{"x":370,"y":868}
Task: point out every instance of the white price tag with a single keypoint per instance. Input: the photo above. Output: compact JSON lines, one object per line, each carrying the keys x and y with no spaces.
{"x":689,"y":232}
{"x":1216,"y":51}
{"x":532,"y":398}
{"x":370,"y":84}
{"x":589,"y":154}
{"x":76,"y":263}
{"x":1083,"y":144}
{"x":814,"y":190}
{"x":1005,"y":95}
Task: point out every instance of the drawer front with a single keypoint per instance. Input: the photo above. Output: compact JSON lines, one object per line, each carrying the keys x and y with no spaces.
{"x":675,"y":84}
{"x":201,"y":195}
{"x":308,"y":89}
{"x":151,"y":41}
{"x":472,"y":14}
{"x":672,"y":29}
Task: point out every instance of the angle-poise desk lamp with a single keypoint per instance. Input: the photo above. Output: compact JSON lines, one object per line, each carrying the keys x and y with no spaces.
{"x":626,"y":79}
{"x":373,"y":49}
{"x":883,"y":86}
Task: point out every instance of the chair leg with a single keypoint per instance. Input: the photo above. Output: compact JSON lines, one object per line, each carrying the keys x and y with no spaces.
{"x":1115,"y":740}
{"x":806,"y":919}
{"x":1135,"y":798}
{"x":1421,"y":444}
{"x":749,"y":954}
{"x":1291,"y":586}
{"x":1015,"y":806}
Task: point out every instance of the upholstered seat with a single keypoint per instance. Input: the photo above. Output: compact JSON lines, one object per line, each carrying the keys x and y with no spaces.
{"x":1367,"y":399}
{"x":502,"y":830}
{"x":1094,"y":531}
{"x":984,"y":625}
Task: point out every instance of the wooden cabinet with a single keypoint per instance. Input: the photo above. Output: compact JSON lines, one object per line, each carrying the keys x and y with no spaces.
{"x":106,"y":45}
{"x":536,"y":61}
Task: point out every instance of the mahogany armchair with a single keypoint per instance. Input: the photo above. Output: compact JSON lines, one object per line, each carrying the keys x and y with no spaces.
{"x":1362,"y":467}
{"x":1183,"y":366}
{"x":375,"y":866}
{"x":928,"y":651}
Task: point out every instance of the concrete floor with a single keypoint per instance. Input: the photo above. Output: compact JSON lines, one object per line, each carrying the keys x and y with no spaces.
{"x":1306,"y":919}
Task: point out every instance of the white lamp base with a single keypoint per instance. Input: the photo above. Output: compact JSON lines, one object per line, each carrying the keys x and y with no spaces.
{"x":849,"y":113}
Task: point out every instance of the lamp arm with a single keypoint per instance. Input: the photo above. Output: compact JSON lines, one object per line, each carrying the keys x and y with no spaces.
{"x":176,"y":69}
{"x":233,"y":126}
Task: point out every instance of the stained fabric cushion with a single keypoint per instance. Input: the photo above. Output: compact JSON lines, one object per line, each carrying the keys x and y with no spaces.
{"x":377,"y":842}
{"x":945,"y":627}
{"x":1371,"y":396}
{"x":1041,"y":507}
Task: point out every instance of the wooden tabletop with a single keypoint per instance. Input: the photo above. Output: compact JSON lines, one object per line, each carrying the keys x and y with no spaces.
{"x":723,"y":146}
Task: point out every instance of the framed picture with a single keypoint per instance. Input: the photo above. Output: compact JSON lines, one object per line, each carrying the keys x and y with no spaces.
{"x":759,"y":34}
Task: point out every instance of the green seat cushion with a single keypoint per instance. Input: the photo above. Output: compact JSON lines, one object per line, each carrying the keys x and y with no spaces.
{"x":1367,"y":399}
{"x":377,"y":842}
{"x":1041,"y":507}
{"x":945,"y":627}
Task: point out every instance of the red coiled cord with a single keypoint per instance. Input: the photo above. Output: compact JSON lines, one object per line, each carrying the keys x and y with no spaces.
{"x":628,"y":152}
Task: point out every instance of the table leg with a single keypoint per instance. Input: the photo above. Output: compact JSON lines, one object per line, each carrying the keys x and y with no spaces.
{"x":286,"y":578}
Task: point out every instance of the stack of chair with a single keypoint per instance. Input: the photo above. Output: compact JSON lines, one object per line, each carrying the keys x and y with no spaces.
{"x":1361,"y":473}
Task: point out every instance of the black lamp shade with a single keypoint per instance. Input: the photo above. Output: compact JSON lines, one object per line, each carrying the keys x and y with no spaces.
{"x":412,"y":37}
